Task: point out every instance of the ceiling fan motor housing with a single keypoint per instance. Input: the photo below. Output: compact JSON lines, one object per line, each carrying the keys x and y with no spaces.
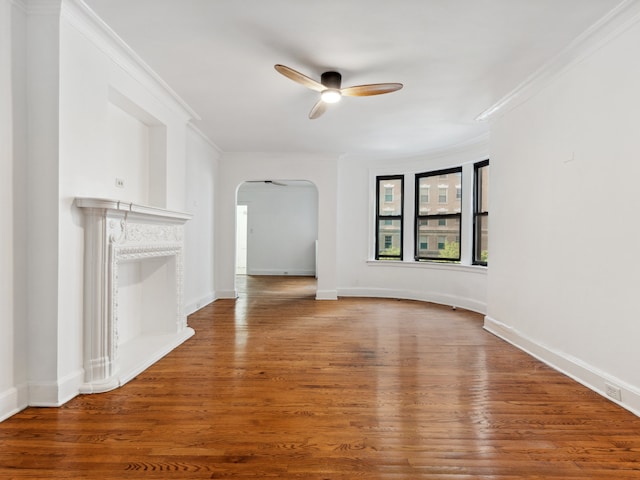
{"x":331,"y":80}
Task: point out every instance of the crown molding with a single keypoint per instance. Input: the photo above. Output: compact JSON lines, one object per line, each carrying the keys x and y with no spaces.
{"x":474,"y":148}
{"x":19,"y":4}
{"x":623,"y":16}
{"x":87,"y":22}
{"x":476,"y":144}
{"x":204,"y":137}
{"x":41,"y":7}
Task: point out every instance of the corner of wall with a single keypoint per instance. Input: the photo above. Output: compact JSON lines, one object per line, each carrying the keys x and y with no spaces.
{"x":196,"y":305}
{"x":13,"y":400}
{"x":54,"y":394}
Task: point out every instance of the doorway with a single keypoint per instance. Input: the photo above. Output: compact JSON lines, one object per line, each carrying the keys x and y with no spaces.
{"x":276,"y":229}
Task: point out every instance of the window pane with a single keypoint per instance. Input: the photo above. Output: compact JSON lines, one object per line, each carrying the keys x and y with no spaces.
{"x":391,"y":197}
{"x":442,"y":195}
{"x":389,"y":238}
{"x":482,"y":238}
{"x":481,"y":214}
{"x":438,"y":241}
{"x":437,"y":215}
{"x":483,"y":188}
{"x":389,"y":218}
{"x":425,"y":185}
{"x":454,"y":202}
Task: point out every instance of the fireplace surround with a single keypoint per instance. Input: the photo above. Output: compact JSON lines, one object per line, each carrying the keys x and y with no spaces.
{"x":127,"y":331}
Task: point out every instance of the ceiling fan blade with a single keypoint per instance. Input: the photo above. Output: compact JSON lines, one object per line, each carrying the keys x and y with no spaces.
{"x":318,"y":109}
{"x":268,"y":182}
{"x":371,"y":89}
{"x":299,"y":78}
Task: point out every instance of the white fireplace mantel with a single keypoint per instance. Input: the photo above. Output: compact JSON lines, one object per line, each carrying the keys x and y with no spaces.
{"x":119,"y":233}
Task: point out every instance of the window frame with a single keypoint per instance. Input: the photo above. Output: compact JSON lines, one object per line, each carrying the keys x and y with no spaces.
{"x":379,"y":217}
{"x":436,"y":216}
{"x":477,"y":213}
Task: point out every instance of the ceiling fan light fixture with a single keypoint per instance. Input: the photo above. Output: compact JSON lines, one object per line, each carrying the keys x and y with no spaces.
{"x":331,"y":95}
{"x":330,"y":88}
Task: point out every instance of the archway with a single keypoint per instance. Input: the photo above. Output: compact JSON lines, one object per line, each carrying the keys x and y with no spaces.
{"x":281,"y":229}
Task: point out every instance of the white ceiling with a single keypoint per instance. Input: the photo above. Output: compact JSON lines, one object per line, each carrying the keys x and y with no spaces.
{"x":455,"y":58}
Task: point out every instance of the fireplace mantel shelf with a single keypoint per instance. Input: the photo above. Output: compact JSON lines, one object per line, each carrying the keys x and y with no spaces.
{"x":126,"y":207}
{"x":118,"y":234}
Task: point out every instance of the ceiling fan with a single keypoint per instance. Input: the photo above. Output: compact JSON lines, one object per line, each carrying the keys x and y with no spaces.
{"x":269,"y":182}
{"x":330,"y":89}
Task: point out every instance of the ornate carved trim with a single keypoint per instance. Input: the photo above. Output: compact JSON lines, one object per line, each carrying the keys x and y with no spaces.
{"x":117,"y":232}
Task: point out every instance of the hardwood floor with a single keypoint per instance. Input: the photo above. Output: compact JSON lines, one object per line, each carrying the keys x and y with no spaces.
{"x":278,"y":385}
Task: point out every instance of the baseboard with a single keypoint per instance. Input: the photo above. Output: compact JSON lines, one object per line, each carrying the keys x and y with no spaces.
{"x":587,"y":375}
{"x":13,"y":400}
{"x":54,"y":394}
{"x":326,"y":294}
{"x":219,"y":294}
{"x":198,"y":304}
{"x":282,"y":272}
{"x":433,"y":297}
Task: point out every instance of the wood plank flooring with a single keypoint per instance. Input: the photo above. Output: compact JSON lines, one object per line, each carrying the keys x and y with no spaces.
{"x":278,"y":385}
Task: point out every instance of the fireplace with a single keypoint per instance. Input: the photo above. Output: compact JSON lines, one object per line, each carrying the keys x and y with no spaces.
{"x":133,"y":297}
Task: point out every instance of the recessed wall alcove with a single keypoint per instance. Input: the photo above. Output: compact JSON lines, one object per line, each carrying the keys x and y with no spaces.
{"x":134,"y":309}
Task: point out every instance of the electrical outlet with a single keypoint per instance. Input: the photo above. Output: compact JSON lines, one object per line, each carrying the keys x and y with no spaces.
{"x":119,"y":183}
{"x":613,"y":391}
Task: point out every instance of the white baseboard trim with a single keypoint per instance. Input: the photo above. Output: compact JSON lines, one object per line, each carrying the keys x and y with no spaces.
{"x":585,"y":374}
{"x":282,"y":273}
{"x":326,"y":294}
{"x":433,"y":297}
{"x":13,"y":400}
{"x":54,"y":394}
{"x":199,"y":303}
{"x":219,"y":294}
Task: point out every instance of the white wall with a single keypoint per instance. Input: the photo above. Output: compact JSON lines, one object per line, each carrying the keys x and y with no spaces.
{"x":127,"y":156}
{"x":13,"y":374}
{"x":7,"y":320}
{"x":202,"y":166}
{"x":358,"y":275}
{"x":563,"y":281}
{"x":43,"y":86}
{"x":236,"y":168}
{"x":282,"y":228}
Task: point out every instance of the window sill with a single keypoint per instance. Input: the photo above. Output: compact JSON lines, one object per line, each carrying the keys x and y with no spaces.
{"x":454,"y":267}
